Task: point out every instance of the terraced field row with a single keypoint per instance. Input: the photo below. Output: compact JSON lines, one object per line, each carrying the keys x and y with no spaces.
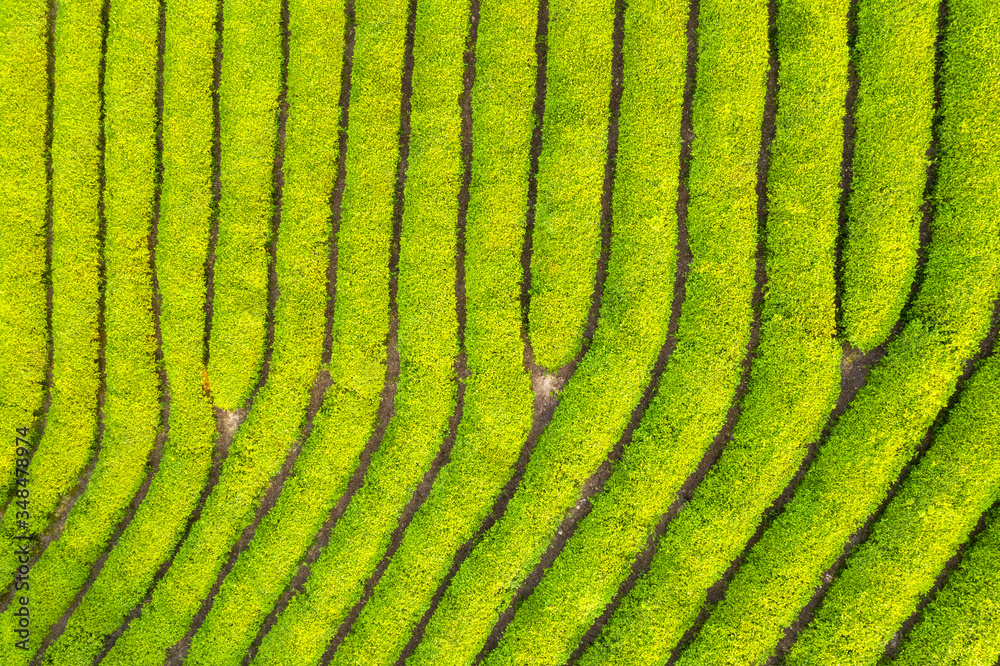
{"x":503,"y":331}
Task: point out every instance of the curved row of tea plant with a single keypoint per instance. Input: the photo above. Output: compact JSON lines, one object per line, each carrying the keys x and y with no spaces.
{"x":795,"y":369}
{"x":248,"y":105}
{"x":428,"y":343}
{"x":894,"y":61}
{"x":346,"y":418}
{"x":592,"y":414}
{"x":310,"y":168}
{"x":23,"y":201}
{"x":889,"y":417}
{"x":963,"y":614}
{"x":696,"y":388}
{"x":565,"y":242}
{"x":959,"y":627}
{"x":131,"y":407}
{"x":71,"y":422}
{"x":261,"y":444}
{"x":181,"y":250}
{"x":497,"y":408}
{"x":934,"y":512}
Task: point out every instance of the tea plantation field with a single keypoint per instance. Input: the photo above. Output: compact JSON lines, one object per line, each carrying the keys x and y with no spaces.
{"x":501,"y":332}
